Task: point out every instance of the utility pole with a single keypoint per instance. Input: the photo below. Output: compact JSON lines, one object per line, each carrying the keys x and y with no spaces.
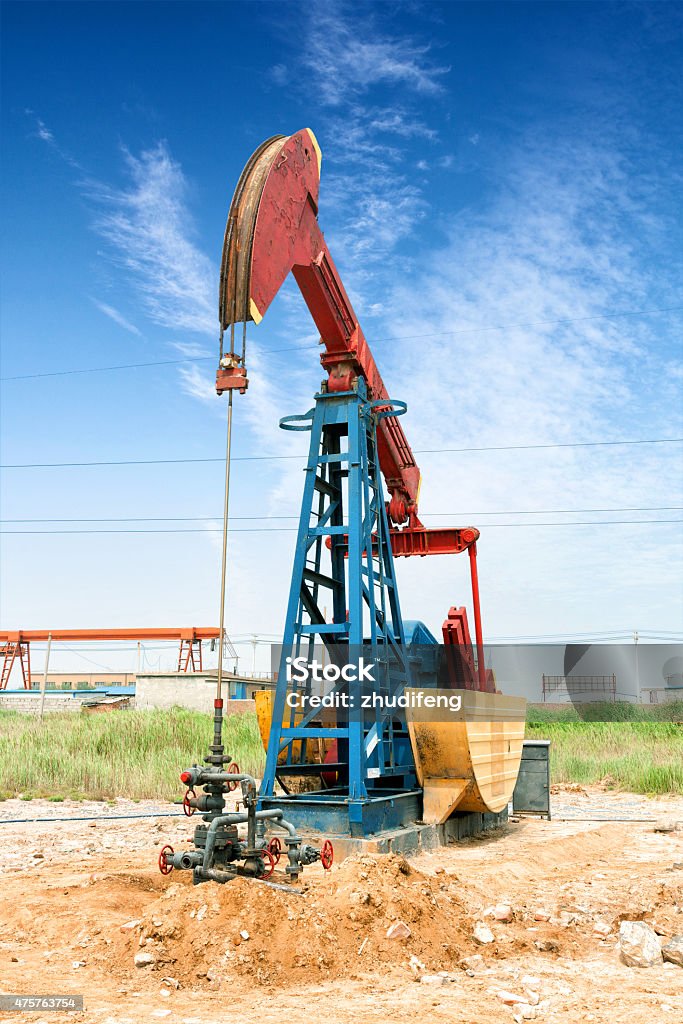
{"x":635,"y":641}
{"x":47,"y":666}
{"x":254,"y":641}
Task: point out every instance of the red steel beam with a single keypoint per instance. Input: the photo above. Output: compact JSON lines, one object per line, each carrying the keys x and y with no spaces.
{"x":18,"y":641}
{"x":418,"y":540}
{"x":165,"y":633}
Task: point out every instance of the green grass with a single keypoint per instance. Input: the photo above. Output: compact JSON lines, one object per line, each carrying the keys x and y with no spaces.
{"x":139,"y":754}
{"x":608,"y":711}
{"x":642,"y":757}
{"x":134,"y":754}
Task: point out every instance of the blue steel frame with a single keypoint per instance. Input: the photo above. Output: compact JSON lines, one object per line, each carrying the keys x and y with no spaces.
{"x":343,"y":500}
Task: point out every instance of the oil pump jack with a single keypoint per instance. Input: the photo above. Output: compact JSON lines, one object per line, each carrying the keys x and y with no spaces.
{"x":371,"y":770}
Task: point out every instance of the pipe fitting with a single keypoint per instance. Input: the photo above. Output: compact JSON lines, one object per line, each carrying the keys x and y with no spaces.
{"x":184,"y":860}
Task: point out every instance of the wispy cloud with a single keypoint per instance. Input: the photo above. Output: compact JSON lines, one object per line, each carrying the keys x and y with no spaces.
{"x":197,"y":384}
{"x":43,"y":132}
{"x":397,"y":121}
{"x":190,"y":349}
{"x":376,"y":136}
{"x":150,"y":231}
{"x":377,"y":217}
{"x":46,"y":135}
{"x":279,"y":74}
{"x":117,"y":317}
{"x":553,"y":244}
{"x":347,"y":58}
{"x":377,"y":200}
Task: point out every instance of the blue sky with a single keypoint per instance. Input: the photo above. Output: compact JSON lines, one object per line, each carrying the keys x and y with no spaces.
{"x":496,"y":178}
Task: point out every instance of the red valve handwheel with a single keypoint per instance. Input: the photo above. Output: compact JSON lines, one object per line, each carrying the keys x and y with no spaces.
{"x":187,"y":806}
{"x":164,"y":866}
{"x":269,"y":863}
{"x":233,"y":769}
{"x":327,"y":854}
{"x":275,"y":848}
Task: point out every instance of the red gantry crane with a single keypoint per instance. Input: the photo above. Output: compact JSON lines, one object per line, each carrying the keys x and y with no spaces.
{"x":15,"y":645}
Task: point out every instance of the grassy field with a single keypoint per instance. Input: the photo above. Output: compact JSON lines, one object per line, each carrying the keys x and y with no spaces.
{"x":628,"y":746}
{"x":608,"y":711}
{"x":642,"y":757}
{"x":139,"y":754}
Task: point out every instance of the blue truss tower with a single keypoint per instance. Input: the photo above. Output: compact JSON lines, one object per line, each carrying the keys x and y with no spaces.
{"x":343,"y":563}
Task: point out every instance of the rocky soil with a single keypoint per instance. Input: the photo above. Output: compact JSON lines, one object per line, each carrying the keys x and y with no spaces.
{"x":521,"y":925}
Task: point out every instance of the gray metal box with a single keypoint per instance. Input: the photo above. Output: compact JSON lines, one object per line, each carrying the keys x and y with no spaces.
{"x":532,"y":791}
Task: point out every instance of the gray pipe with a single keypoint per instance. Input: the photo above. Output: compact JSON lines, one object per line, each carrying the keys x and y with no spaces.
{"x":187,"y":859}
{"x":213,"y":875}
{"x":214,"y":778}
{"x":236,"y":818}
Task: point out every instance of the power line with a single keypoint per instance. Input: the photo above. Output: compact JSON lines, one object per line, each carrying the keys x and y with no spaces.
{"x":424,"y":515}
{"x":278,"y":458}
{"x":269,"y":639}
{"x":291,"y":529}
{"x":139,"y":366}
{"x":376,"y":341}
{"x":596,"y":638}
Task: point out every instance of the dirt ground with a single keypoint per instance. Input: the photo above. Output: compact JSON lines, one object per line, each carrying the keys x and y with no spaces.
{"x":68,"y":887}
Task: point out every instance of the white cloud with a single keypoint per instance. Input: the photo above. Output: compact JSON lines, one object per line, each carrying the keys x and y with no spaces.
{"x":279,"y":74}
{"x":190,"y":349}
{"x":397,"y":122}
{"x":150,"y":231}
{"x":556,"y":244}
{"x":117,"y":317}
{"x":347,"y":55}
{"x":44,"y":132}
{"x":378,"y":201}
{"x":376,"y":218}
{"x":197,"y":384}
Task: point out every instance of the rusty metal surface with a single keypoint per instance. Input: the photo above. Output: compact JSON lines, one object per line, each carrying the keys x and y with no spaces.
{"x":273,"y":231}
{"x":233,"y":290}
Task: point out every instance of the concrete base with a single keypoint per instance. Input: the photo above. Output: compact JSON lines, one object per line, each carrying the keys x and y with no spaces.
{"x":414,"y":839}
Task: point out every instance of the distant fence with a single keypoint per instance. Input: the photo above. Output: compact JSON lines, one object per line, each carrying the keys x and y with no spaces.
{"x":580,"y":687}
{"x":661,"y":694}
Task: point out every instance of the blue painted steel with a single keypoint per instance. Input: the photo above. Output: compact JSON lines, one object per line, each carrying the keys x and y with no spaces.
{"x":343,"y":559}
{"x":417,"y":632}
{"x":332,"y":815}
